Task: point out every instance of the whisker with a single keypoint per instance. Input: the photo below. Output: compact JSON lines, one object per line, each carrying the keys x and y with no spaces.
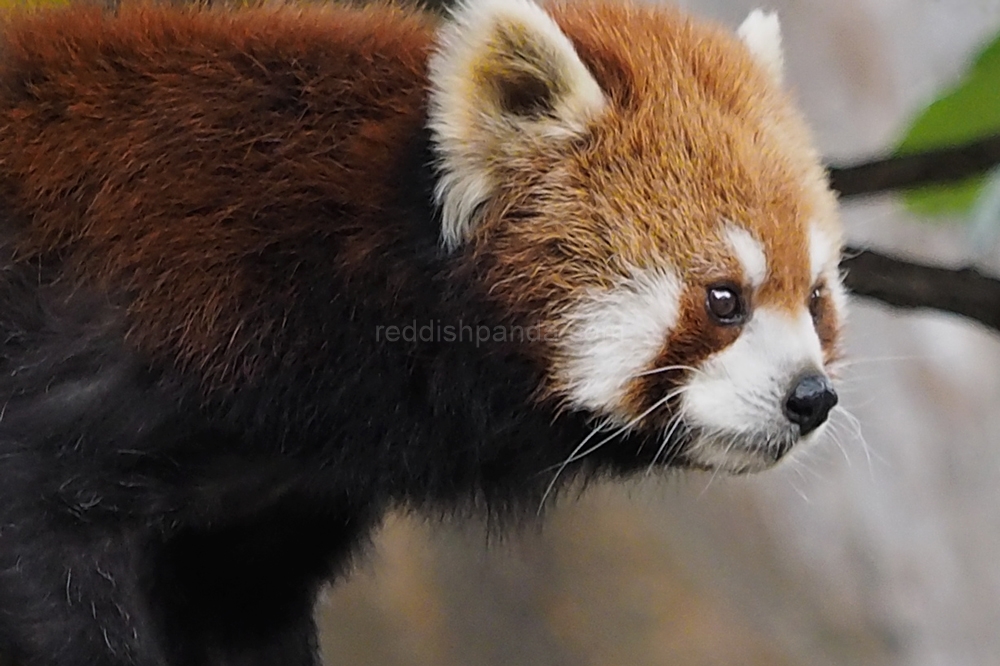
{"x":731,"y":439}
{"x":802,"y":464}
{"x":666,"y":368}
{"x":672,"y":426}
{"x":858,"y":360}
{"x":579,"y":446}
{"x":659,"y":403}
{"x":755,"y":401}
{"x":798,"y":491}
{"x":834,"y":435}
{"x":577,"y":454}
{"x":855,"y":425}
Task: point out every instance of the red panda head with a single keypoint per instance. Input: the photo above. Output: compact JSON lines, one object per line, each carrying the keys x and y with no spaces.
{"x":640,"y":187}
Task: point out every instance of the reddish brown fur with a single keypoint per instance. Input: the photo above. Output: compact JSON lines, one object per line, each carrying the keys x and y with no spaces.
{"x":120,"y":138}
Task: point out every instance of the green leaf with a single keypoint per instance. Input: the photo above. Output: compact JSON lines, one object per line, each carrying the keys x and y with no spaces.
{"x":969,"y":111}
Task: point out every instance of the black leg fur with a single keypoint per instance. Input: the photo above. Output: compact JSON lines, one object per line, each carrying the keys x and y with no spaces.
{"x":133,"y":532}
{"x":78,"y":600}
{"x":243,"y":595}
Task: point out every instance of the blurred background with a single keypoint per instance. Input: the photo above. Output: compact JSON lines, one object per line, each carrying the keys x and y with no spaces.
{"x":880,"y":545}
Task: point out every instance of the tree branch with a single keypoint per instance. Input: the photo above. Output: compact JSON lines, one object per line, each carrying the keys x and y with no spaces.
{"x":933,"y":167}
{"x":906,"y":284}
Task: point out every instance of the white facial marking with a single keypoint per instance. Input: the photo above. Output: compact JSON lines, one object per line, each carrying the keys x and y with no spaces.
{"x":719,"y":454}
{"x":824,"y":261}
{"x":761,"y":32}
{"x":616,"y":334}
{"x":741,"y":389}
{"x":471,"y":133}
{"x":824,"y":251}
{"x":838,"y":295}
{"x":749,"y":252}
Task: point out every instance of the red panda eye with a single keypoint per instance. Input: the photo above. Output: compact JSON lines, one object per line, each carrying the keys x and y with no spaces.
{"x":725,"y":305}
{"x":815,"y":301}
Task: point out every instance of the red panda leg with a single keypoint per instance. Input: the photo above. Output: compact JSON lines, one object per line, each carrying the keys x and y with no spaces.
{"x":244,"y":594}
{"x":70,"y":600}
{"x":131,"y":531}
{"x":238,"y":596}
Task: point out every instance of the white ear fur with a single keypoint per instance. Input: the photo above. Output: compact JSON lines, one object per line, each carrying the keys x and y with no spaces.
{"x":503,"y":77}
{"x":761,"y":32}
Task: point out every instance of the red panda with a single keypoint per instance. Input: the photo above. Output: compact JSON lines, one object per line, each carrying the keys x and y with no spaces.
{"x":270,"y":273}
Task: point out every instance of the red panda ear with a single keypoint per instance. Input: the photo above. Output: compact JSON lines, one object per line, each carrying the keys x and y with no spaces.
{"x":504,"y":78}
{"x":761,"y":32}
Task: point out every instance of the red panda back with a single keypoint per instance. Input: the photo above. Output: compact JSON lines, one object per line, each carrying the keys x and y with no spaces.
{"x":160,"y":148}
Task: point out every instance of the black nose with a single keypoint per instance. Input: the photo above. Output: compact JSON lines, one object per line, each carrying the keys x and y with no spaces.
{"x":809,"y":402}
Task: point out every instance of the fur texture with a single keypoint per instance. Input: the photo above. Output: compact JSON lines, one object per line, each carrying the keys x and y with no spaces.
{"x":268,"y":274}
